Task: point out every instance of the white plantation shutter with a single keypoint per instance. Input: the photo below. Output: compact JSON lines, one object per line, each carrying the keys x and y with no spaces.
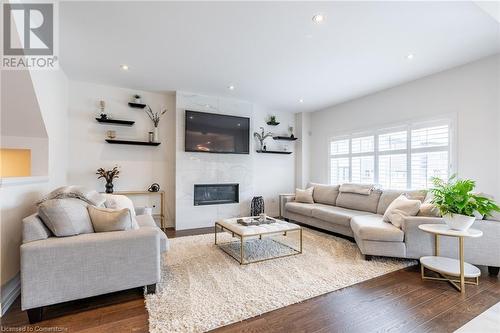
{"x":408,"y":156}
{"x":429,"y":155}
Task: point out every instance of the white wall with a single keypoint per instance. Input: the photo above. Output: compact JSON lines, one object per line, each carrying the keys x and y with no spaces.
{"x":258,"y":174}
{"x":140,"y":166}
{"x":18,"y":200}
{"x":471,"y":92}
{"x":303,"y":159}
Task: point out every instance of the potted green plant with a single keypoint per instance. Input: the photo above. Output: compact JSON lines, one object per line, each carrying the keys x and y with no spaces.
{"x":458,"y":204}
{"x":273,"y":121}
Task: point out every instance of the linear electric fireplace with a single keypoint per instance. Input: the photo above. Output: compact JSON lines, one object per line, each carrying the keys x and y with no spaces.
{"x":216,"y":194}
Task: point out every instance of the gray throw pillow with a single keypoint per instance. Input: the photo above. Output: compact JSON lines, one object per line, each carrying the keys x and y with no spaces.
{"x":65,"y":217}
{"x":106,"y":219}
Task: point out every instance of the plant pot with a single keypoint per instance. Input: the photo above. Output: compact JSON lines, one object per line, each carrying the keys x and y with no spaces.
{"x":459,"y":222}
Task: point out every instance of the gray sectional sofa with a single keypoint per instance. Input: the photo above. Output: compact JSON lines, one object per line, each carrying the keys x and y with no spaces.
{"x":360,"y":217}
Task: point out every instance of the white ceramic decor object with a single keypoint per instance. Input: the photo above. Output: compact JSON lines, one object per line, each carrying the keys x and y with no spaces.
{"x":458,"y":221}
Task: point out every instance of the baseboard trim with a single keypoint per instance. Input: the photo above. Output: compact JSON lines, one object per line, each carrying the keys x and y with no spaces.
{"x":9,"y":293}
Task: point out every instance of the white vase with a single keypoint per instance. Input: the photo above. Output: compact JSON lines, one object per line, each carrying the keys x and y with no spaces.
{"x":156,"y":135}
{"x":459,"y":222}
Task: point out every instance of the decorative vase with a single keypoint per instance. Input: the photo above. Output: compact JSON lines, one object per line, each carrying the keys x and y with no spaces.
{"x":459,"y":222}
{"x":156,"y":134}
{"x":109,"y":187}
{"x":257,"y":206}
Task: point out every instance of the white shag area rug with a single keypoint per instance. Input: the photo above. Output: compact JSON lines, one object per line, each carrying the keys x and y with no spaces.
{"x":203,"y":288}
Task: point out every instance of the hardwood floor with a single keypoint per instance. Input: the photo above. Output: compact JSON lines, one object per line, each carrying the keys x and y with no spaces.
{"x":395,"y":302}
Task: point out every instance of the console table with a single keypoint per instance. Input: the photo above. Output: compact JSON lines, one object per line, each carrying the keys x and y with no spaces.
{"x":452,"y":270}
{"x":161,"y":216}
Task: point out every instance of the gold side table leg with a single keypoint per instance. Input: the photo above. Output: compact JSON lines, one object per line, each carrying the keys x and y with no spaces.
{"x":215,"y":231}
{"x":242,"y":251}
{"x":436,"y":245}
{"x":300,"y":235}
{"x":461,"y":251}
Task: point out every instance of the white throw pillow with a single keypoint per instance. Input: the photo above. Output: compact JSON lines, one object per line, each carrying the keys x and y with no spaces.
{"x":106,"y":219}
{"x":305,"y":196}
{"x":400,"y":208}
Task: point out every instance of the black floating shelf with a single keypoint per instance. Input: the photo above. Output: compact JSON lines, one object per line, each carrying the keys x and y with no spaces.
{"x":115,"y":121}
{"x":274,"y":152}
{"x":129,"y":142}
{"x":137,"y":105}
{"x":272,"y":124}
{"x":284,"y":138}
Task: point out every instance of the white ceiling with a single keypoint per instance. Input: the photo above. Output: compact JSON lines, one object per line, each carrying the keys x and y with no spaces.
{"x":271,"y":52}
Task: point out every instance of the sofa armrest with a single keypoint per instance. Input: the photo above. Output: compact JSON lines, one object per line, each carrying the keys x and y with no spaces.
{"x":411,"y":223}
{"x":60,"y":269}
{"x":284,"y":198}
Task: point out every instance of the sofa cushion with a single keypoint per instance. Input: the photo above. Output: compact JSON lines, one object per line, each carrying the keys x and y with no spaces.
{"x":337,"y":215}
{"x":325,"y":194}
{"x":299,"y":208}
{"x":372,"y":227}
{"x":107,"y":219}
{"x":305,"y":196}
{"x":367,"y":203}
{"x":364,"y":189}
{"x":388,"y":196}
{"x":65,"y":217}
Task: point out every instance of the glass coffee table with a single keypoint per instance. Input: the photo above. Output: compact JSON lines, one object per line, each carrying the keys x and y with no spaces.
{"x":256,"y":243}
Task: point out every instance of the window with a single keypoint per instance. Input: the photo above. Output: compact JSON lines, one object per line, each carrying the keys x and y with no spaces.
{"x":407,"y":156}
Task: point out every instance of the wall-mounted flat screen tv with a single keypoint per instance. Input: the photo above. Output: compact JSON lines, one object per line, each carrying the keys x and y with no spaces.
{"x":217,"y":133}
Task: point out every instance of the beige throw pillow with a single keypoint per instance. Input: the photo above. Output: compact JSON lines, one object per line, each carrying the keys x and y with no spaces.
{"x":427,"y":208}
{"x":305,"y":196}
{"x":400,"y":208}
{"x":106,"y":219}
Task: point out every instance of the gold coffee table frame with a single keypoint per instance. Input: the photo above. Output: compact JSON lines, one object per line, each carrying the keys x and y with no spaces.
{"x":242,"y":238}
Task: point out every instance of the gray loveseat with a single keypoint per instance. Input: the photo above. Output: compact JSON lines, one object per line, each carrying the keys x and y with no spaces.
{"x":60,"y":269}
{"x":360,"y":216}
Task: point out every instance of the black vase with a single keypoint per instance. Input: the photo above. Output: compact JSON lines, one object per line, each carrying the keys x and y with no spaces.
{"x":109,"y":187}
{"x":257,"y":206}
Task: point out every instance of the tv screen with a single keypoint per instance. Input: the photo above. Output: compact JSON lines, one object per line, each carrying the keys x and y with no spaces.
{"x":217,"y":133}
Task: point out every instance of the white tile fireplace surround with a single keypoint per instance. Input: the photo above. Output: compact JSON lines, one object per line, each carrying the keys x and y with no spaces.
{"x":251,"y":172}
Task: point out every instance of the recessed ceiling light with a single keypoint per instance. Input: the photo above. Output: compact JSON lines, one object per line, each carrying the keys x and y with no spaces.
{"x":410,"y":56}
{"x":318,"y":18}
{"x":124,"y":67}
{"x":231,"y":87}
{"x":301,"y":100}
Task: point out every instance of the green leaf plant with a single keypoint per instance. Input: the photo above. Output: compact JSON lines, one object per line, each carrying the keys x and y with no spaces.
{"x":455,"y":196}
